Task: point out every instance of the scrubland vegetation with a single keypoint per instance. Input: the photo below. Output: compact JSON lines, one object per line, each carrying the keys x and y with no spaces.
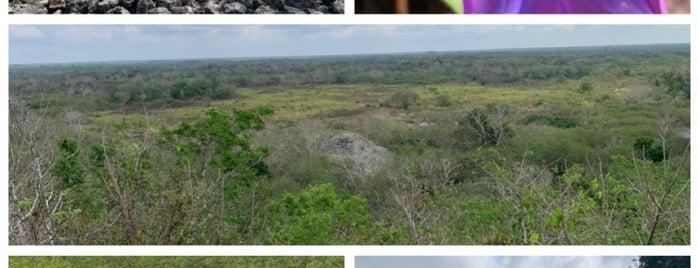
{"x":173,"y":261}
{"x":540,"y":146}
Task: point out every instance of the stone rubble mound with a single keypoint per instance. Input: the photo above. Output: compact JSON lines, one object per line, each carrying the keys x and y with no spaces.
{"x":177,"y":7}
{"x":362,"y":152}
{"x":351,"y":144}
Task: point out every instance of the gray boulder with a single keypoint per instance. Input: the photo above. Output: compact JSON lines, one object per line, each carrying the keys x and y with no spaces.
{"x":323,"y":9}
{"x":118,"y":10}
{"x":106,"y":5}
{"x":159,"y":10}
{"x":265,"y":9}
{"x":339,"y":7}
{"x":27,"y":9}
{"x":56,"y":4}
{"x":144,"y":6}
{"x":275,"y":4}
{"x":302,"y":4}
{"x":234,"y":8}
{"x":293,"y":10}
{"x":77,"y":6}
{"x":169,"y":4}
{"x":249,"y":4}
{"x":183,"y":10}
{"x":209,"y":8}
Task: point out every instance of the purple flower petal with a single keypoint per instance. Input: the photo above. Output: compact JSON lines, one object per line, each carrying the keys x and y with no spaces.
{"x":564,"y":6}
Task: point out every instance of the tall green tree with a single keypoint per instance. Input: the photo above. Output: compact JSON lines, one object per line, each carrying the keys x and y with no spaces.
{"x":664,"y":262}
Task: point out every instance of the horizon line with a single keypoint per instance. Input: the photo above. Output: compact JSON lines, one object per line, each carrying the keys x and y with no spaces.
{"x":280,"y":57}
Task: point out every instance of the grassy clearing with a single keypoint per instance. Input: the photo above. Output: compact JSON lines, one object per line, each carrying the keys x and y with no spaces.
{"x":328,"y":102}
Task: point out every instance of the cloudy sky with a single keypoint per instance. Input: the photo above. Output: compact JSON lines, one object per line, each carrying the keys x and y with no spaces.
{"x":81,"y":43}
{"x":494,"y":262}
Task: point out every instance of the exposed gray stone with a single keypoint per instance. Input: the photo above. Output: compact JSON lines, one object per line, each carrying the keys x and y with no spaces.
{"x":249,"y":4}
{"x":106,"y":5}
{"x":92,"y":6}
{"x":183,"y":10}
{"x":323,"y":9}
{"x":293,"y":10}
{"x":118,"y":10}
{"x":159,"y":10}
{"x":56,"y":4}
{"x":265,"y":9}
{"x":275,"y":4}
{"x":128,"y":4}
{"x":28,"y":9}
{"x":144,"y":6}
{"x":302,"y":4}
{"x":353,"y":144}
{"x":76,"y":6}
{"x":209,"y":8}
{"x":169,"y":4}
{"x":234,"y":8}
{"x":339,"y":7}
{"x":357,"y":153}
{"x":176,"y":6}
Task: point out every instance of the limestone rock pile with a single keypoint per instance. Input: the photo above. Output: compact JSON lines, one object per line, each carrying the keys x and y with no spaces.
{"x":177,"y":7}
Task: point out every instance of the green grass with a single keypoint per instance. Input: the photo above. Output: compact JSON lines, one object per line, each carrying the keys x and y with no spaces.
{"x":600,"y":109}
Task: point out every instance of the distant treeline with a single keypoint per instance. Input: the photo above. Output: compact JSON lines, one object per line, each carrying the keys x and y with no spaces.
{"x":110,"y":85}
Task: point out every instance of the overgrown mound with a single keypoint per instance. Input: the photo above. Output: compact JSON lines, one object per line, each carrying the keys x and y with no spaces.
{"x":352,"y":144}
{"x":360,"y":152}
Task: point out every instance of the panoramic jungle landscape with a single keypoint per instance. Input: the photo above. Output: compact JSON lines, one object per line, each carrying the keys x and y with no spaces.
{"x":537,"y":146}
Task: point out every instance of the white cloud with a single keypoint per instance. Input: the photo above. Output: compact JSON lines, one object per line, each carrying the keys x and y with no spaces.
{"x":589,"y":261}
{"x":350,"y":32}
{"x":477,"y":262}
{"x":495,"y":262}
{"x":131,"y":29}
{"x":79,"y":34}
{"x":523,"y":262}
{"x":255,"y":33}
{"x":25,"y":32}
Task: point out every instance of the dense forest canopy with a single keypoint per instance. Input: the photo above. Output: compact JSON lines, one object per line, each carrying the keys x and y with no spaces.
{"x":585,"y":145}
{"x":112,"y":84}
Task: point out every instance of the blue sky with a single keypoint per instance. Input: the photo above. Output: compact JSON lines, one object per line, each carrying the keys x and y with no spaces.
{"x":86,"y":43}
{"x":493,"y":262}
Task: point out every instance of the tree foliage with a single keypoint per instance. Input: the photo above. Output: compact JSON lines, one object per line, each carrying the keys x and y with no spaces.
{"x":489,"y":126}
{"x":495,"y":148}
{"x":403,"y":100}
{"x":174,"y":261}
{"x":675,"y":83}
{"x":664,"y":261}
{"x":317,"y":216}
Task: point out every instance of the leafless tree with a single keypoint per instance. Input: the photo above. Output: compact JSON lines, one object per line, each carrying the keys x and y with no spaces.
{"x":35,"y":196}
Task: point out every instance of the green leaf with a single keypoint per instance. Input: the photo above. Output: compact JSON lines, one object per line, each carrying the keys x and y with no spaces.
{"x":534,"y":238}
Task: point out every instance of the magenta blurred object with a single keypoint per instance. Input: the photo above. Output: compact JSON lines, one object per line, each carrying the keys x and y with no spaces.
{"x":564,"y":6}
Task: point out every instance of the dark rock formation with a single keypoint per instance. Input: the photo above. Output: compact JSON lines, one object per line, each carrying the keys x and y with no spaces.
{"x":177,"y":7}
{"x":144,"y":6}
